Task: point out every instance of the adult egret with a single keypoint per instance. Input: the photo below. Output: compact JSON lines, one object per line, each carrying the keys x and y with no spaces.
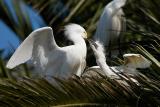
{"x":110,"y":24}
{"x":131,"y":62}
{"x":50,"y":59}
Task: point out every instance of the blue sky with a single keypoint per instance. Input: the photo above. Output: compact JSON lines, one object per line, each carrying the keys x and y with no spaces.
{"x":9,"y":40}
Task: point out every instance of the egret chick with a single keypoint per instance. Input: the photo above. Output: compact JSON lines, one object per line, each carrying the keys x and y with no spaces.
{"x":98,"y":51}
{"x":110,"y":24}
{"x":131,"y":62}
{"x":50,"y":59}
{"x":134,"y":61}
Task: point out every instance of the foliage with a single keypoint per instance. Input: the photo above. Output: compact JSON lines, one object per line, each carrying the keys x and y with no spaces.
{"x":81,"y":92}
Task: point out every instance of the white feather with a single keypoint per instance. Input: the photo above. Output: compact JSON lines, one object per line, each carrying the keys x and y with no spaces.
{"x":27,"y":49}
{"x":98,"y":51}
{"x":52,"y":60}
{"x":110,"y":23}
{"x":131,"y":62}
{"x":135,"y":61}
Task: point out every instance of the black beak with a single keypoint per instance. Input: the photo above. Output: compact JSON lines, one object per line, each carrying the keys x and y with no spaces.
{"x":92,"y":42}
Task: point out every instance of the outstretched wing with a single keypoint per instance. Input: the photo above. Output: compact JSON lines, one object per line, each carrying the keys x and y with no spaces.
{"x":42,"y":38}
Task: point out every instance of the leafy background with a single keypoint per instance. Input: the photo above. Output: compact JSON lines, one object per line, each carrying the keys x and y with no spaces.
{"x":142,"y":36}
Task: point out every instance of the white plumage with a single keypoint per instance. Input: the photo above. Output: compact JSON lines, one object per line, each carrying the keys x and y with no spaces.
{"x":98,"y":50}
{"x":131,"y":62}
{"x":111,"y":23}
{"x":50,"y":59}
{"x":134,"y":61}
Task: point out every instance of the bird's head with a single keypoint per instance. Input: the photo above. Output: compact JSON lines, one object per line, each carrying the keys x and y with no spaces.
{"x":119,"y":3}
{"x":72,"y":29}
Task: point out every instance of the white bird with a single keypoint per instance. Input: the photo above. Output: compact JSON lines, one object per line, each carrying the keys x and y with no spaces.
{"x":134,"y":61}
{"x":99,"y":53}
{"x":131,"y":62}
{"x":110,"y":24}
{"x":50,"y":59}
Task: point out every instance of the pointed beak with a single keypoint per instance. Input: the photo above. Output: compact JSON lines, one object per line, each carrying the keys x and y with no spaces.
{"x":85,"y":35}
{"x":92,"y":42}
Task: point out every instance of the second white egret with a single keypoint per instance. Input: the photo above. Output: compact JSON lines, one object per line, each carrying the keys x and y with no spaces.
{"x":110,"y":24}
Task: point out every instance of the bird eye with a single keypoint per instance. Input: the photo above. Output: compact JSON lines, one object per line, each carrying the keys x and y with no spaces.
{"x":85,"y":34}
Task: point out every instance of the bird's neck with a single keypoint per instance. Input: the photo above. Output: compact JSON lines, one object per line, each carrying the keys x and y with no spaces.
{"x":77,"y":39}
{"x":114,"y":7}
{"x":79,"y":43}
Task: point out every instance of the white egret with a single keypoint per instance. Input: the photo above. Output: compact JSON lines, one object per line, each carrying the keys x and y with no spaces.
{"x":110,"y":24}
{"x":134,"y":61}
{"x":50,"y":59}
{"x":98,"y":51}
{"x":131,"y":62}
